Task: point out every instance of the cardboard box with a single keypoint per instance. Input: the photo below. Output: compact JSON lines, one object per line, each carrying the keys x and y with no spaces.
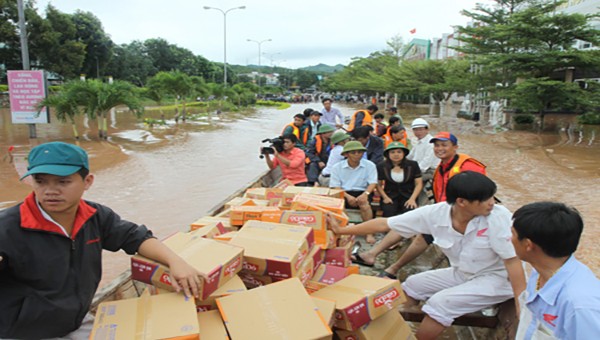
{"x":235,"y":285}
{"x":389,"y":326}
{"x":165,"y":316}
{"x":314,"y":219}
{"x":339,"y":256}
{"x":225,"y":237}
{"x":360,"y":299}
{"x":273,"y":249}
{"x":282,"y":310}
{"x":284,"y":183}
{"x":326,"y":275}
{"x":272,"y":195}
{"x":211,"y":326}
{"x":337,"y":193}
{"x":252,"y":280}
{"x":208,"y":220}
{"x":303,"y":201}
{"x":290,"y":193}
{"x":218,"y":261}
{"x":211,"y":230}
{"x":342,"y":219}
{"x":326,"y":308}
{"x":237,"y":201}
{"x":240,"y":215}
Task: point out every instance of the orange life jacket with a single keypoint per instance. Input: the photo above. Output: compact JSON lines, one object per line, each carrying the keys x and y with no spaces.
{"x":367,"y":120}
{"x":318,"y":147}
{"x":439,"y":188}
{"x":296,"y":132}
{"x":387,"y":138}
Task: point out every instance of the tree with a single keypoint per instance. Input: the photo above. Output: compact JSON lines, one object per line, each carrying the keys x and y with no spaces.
{"x":175,"y":83}
{"x":98,"y":45}
{"x":65,"y":106}
{"x":130,"y":62}
{"x":396,"y":44}
{"x":530,"y":40}
{"x":98,"y":98}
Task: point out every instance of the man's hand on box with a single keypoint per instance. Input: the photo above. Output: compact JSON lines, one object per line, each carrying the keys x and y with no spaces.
{"x":185,"y":277}
{"x":332,"y":223}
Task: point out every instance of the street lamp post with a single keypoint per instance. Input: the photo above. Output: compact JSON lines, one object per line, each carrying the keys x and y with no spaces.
{"x":258,"y":43}
{"x":224,"y":38}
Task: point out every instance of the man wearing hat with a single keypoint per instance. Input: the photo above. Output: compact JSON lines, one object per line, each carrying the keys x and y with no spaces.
{"x":422,"y":153}
{"x":317,"y":153}
{"x":338,"y":140}
{"x":51,"y":246}
{"x":357,"y":177}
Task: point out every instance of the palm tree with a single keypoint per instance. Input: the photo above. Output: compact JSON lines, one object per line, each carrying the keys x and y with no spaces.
{"x":98,"y":98}
{"x":65,"y":107}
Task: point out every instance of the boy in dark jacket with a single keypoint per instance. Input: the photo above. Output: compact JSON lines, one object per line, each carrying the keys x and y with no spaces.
{"x":51,"y":245}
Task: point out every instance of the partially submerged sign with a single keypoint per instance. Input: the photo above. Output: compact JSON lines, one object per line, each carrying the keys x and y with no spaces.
{"x":26,"y":89}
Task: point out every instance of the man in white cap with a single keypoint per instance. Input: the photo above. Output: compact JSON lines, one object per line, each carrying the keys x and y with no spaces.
{"x":422,"y":153}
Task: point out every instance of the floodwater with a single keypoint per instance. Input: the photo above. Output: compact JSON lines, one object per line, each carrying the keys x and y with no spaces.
{"x":168,"y":176}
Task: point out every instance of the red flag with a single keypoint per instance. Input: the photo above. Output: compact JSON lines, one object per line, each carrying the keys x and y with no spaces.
{"x":413,"y":31}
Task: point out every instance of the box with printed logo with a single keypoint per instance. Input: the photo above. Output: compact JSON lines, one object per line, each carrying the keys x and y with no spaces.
{"x":389,"y":326}
{"x":272,"y":195}
{"x":360,"y":299}
{"x":314,"y":219}
{"x":219,"y":261}
{"x":211,"y":230}
{"x":164,"y":316}
{"x":273,"y":249}
{"x":290,"y":193}
{"x":326,"y":275}
{"x":302,"y":201}
{"x":341,"y":219}
{"x":339,"y":256}
{"x":281,"y":310}
{"x":237,"y":201}
{"x":241,"y":214}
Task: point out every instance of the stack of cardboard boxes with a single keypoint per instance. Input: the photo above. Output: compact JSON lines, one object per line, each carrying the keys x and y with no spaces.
{"x":274,"y":271}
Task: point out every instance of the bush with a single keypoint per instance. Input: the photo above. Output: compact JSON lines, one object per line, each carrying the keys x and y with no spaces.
{"x":590,"y":118}
{"x":3,"y":88}
{"x":523,"y":119}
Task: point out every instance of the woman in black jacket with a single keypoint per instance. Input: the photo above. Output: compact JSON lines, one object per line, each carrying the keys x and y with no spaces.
{"x":399,"y":180}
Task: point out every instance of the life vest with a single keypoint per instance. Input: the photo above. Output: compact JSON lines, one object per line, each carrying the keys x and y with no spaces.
{"x":439,"y":188}
{"x":367,"y":120}
{"x":296,"y":132}
{"x":387,"y":138}
{"x":318,"y":147}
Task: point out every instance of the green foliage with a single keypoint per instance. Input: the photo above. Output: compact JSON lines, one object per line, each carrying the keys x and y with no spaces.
{"x":523,"y":118}
{"x":279,"y":105}
{"x":3,"y":88}
{"x":589,"y":118}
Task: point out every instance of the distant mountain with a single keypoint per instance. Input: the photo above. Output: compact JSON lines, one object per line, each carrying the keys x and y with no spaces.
{"x":322,"y":68}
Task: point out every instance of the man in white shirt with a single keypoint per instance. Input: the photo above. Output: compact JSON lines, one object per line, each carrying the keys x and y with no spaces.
{"x":422,"y":153}
{"x":330,"y":114}
{"x":475,"y":235}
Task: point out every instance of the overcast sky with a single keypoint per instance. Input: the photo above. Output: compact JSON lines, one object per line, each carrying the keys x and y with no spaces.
{"x":303,"y":33}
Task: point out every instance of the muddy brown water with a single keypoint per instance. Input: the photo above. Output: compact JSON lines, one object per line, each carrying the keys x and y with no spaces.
{"x":168,"y":176}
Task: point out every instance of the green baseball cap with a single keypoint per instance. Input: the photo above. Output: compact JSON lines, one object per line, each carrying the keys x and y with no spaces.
{"x":397,"y":145}
{"x":56,"y":158}
{"x":325,"y":128}
{"x":352,"y":146}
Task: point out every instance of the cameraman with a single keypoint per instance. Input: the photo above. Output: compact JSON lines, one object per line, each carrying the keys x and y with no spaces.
{"x":291,"y":160}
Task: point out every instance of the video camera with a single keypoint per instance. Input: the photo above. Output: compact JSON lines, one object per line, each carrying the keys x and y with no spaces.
{"x":276,"y":144}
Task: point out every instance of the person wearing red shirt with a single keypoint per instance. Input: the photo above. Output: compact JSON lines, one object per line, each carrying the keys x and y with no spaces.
{"x":291,"y":161}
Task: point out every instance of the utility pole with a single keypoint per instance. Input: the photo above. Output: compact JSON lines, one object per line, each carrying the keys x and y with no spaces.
{"x":24,"y":52}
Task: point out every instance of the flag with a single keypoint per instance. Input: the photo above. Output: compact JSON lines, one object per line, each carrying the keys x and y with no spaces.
{"x":413,"y":31}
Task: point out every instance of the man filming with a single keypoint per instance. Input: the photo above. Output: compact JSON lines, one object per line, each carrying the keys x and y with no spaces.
{"x":291,"y":160}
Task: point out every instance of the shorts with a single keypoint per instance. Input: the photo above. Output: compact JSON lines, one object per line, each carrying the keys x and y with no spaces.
{"x":356,"y":193}
{"x":428,"y":238}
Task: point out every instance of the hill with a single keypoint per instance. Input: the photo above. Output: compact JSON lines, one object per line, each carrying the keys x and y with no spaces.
{"x":322,"y":68}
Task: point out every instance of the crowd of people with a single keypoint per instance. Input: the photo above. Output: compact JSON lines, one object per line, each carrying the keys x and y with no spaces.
{"x":485,"y":243}
{"x":51,"y":243}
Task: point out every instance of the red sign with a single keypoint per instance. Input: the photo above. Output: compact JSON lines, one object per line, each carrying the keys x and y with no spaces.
{"x":26,"y":89}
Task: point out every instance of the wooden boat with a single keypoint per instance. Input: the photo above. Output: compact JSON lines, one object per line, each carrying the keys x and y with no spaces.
{"x":471,"y":326}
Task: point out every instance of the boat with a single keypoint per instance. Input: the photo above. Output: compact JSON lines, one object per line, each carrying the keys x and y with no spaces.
{"x":501,"y":324}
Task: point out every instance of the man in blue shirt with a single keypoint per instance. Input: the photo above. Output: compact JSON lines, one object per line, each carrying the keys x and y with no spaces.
{"x":562,"y":299}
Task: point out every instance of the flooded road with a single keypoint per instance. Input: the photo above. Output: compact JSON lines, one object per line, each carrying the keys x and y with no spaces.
{"x":168,"y":176}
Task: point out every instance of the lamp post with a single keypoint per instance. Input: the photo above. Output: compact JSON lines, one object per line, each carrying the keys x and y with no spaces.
{"x":258,"y":43}
{"x":224,"y":38}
